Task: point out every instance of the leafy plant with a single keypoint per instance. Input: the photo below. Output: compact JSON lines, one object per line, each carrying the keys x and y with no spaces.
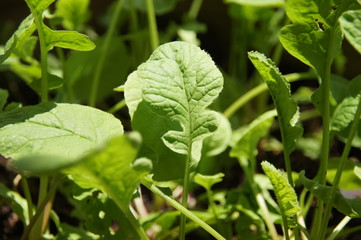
{"x":178,"y":150}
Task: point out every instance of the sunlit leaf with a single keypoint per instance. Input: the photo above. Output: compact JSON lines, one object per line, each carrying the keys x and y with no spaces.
{"x":259,"y":3}
{"x":344,"y":113}
{"x":207,"y":181}
{"x":350,"y":23}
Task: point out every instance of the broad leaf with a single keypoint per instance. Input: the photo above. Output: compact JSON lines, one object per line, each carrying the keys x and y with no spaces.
{"x":113,"y":170}
{"x":350,"y":23}
{"x":67,"y":39}
{"x":178,"y":82}
{"x":259,"y":3}
{"x":57,"y":130}
{"x":279,"y":88}
{"x":313,"y":37}
{"x":349,"y":207}
{"x":285,"y":194}
{"x":246,"y":139}
{"x":73,"y":12}
{"x":344,"y":113}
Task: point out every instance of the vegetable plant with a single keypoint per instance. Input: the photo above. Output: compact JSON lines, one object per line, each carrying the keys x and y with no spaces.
{"x":134,"y":131}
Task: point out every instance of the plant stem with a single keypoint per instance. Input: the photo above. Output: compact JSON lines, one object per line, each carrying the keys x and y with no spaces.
{"x":339,"y":228}
{"x":194,"y":10}
{"x":135,"y":224}
{"x":27,"y":194}
{"x":117,"y":107}
{"x":154,"y":40}
{"x":325,"y":105}
{"x":340,"y":168}
{"x":147,"y":183}
{"x":183,"y":219}
{"x":104,"y":53}
{"x":240,"y":102}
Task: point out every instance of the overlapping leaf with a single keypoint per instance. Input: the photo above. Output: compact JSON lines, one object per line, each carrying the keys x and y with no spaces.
{"x":344,"y":113}
{"x":350,"y":23}
{"x":286,"y":195}
{"x":65,"y":131}
{"x":280,"y":91}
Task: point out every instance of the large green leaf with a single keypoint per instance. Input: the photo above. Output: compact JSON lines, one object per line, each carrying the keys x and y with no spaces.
{"x":285,"y":194}
{"x":171,"y":90}
{"x":73,"y":12}
{"x":279,"y":88}
{"x":58,"y":130}
{"x":349,"y":207}
{"x":246,"y":139}
{"x":113,"y":169}
{"x":350,"y":23}
{"x":314,"y":36}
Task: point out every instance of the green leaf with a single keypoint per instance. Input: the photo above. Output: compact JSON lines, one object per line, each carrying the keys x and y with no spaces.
{"x":153,"y":147}
{"x":18,"y":203}
{"x":247,"y":138}
{"x":67,"y":39}
{"x":74,"y":13}
{"x":179,"y":81}
{"x":39,"y":5}
{"x":279,"y":88}
{"x":285,"y":194}
{"x":344,"y":113}
{"x":313,"y":37}
{"x":4,"y":94}
{"x":19,"y":39}
{"x":349,"y":207}
{"x":259,"y":3}
{"x":207,"y":181}
{"x":354,"y":86}
{"x":350,"y":22}
{"x":111,"y":170}
{"x":349,"y":181}
{"x":58,"y":130}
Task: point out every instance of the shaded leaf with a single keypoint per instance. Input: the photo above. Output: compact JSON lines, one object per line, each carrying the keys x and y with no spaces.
{"x":349,"y":207}
{"x":286,"y":195}
{"x":279,"y":88}
{"x":349,"y":180}
{"x":344,"y":113}
{"x":350,"y":22}
{"x":58,"y":130}
{"x":74,"y":13}
{"x":4,"y":94}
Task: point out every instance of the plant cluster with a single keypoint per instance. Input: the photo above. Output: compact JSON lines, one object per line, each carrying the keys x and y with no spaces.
{"x":135,"y":134}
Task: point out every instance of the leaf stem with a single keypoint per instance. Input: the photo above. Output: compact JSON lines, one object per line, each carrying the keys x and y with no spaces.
{"x":183,"y":220}
{"x":24,"y":183}
{"x":147,"y":183}
{"x":154,"y":39}
{"x":339,"y":228}
{"x":240,"y":102}
{"x":340,"y":168}
{"x":104,"y":53}
{"x":194,"y":10}
{"x":135,"y":224}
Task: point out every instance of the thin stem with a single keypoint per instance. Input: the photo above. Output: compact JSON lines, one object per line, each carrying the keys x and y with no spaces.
{"x":339,"y":228}
{"x":40,"y":209}
{"x":240,"y":102}
{"x":340,"y":168}
{"x":117,"y":107}
{"x":154,"y":39}
{"x":183,"y":220}
{"x":27,"y":194}
{"x":194,"y":10}
{"x":325,"y":85}
{"x":146,"y":182}
{"x":108,"y":37}
{"x":135,"y":224}
{"x":266,"y":216}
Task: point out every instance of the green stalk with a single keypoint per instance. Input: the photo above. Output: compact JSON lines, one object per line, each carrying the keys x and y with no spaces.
{"x":321,"y":175}
{"x":194,"y":10}
{"x":182,"y":209}
{"x":339,"y":172}
{"x":339,"y":228}
{"x":117,"y":107}
{"x":240,"y":102}
{"x":154,"y":40}
{"x":99,"y":68}
{"x":27,"y":194}
{"x":135,"y":224}
{"x":183,"y":220}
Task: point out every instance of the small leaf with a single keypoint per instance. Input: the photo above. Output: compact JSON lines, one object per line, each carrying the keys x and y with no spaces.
{"x":245,"y":146}
{"x":279,"y":88}
{"x":58,"y":130}
{"x":349,"y":207}
{"x":207,"y":181}
{"x":286,"y":195}
{"x":74,"y":13}
{"x":67,"y":39}
{"x":350,"y":22}
{"x":259,"y":3}
{"x":344,"y":113}
{"x":39,"y":5}
{"x":354,"y":86}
